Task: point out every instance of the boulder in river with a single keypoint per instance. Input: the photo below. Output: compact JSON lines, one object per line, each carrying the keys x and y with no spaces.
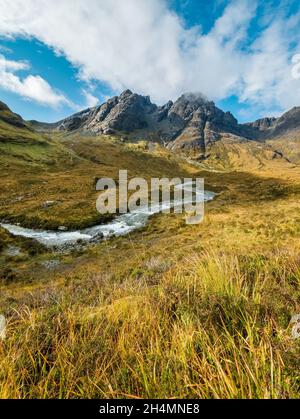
{"x":97,"y":238}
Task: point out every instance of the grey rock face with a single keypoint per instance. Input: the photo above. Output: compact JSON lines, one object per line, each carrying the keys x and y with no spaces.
{"x":74,"y":122}
{"x":49,"y":204}
{"x":125,"y":113}
{"x":201,"y":122}
{"x":191,"y":123}
{"x":62,"y":228}
{"x":262,"y":124}
{"x":274,"y":127}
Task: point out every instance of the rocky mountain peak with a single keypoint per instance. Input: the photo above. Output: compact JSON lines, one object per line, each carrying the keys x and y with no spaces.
{"x":191,"y":122}
{"x":125,"y":113}
{"x":194,"y":99}
{"x":126,"y":93}
{"x":274,"y":127}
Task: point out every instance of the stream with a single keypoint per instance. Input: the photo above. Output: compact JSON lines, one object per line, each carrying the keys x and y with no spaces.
{"x":120,"y":226}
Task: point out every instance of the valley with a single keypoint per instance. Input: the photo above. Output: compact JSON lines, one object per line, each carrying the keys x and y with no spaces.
{"x":168,"y":310}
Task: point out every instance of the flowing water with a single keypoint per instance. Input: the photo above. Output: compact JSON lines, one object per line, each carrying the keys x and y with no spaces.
{"x":120,"y":226}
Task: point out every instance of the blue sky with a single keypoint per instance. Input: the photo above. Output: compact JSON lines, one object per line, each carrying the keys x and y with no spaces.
{"x":238,"y":53}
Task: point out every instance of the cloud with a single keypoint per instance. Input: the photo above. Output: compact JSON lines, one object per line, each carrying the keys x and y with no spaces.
{"x":9,"y":65}
{"x":30,"y":87}
{"x":268,"y":77}
{"x":91,"y":100}
{"x":144,"y":46}
{"x":5,"y":49}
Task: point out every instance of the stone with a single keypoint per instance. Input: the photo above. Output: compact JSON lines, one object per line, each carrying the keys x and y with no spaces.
{"x":97,"y":237}
{"x":2,"y":327}
{"x":49,"y":204}
{"x":62,"y":228}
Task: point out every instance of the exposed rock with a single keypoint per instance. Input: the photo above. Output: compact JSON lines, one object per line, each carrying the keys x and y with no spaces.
{"x":262,"y":124}
{"x":191,"y":123}
{"x":50,"y":264}
{"x":125,"y":113}
{"x":49,"y":204}
{"x":62,"y":228}
{"x":19,"y":199}
{"x":97,"y":238}
{"x":274,"y":127}
{"x":201,"y":121}
{"x":12,"y":251}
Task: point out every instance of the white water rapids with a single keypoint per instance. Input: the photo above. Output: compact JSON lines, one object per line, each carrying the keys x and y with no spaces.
{"x":120,"y":226}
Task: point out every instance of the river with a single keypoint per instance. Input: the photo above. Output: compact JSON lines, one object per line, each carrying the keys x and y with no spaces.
{"x":120,"y":226}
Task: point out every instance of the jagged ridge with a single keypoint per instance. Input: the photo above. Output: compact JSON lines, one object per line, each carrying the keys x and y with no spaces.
{"x":192,"y":122}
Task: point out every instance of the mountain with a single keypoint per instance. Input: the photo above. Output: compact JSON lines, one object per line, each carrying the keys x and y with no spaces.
{"x":8,"y":117}
{"x":191,"y":124}
{"x":267,"y":128}
{"x":14,"y":130}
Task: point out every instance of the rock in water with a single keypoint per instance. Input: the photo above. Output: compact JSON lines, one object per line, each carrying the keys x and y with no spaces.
{"x":97,"y":238}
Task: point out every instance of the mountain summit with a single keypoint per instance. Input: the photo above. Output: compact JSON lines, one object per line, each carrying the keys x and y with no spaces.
{"x":275,"y":127}
{"x":192,"y":123}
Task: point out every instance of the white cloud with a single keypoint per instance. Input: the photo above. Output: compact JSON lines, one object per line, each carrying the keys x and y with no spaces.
{"x":268,"y":74}
{"x":30,"y":87}
{"x":144,"y":46}
{"x":5,"y":49}
{"x":9,"y":65}
{"x":91,"y":100}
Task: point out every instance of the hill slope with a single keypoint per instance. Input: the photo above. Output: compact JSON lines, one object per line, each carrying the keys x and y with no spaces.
{"x":14,"y":130}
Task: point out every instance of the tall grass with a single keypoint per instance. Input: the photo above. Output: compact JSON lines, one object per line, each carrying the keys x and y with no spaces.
{"x":216,"y":326}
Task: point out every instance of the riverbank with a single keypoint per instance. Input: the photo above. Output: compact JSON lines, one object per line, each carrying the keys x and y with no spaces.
{"x":168,"y":311}
{"x":120,"y":226}
{"x":45,"y":187}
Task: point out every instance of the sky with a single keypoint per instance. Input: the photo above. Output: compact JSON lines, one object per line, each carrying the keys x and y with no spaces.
{"x":61,"y":56}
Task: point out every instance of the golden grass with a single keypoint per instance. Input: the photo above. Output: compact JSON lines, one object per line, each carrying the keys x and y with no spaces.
{"x":65,"y":170}
{"x":168,"y":311}
{"x":209,"y":329}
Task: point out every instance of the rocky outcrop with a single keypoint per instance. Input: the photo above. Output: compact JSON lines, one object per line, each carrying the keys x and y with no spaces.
{"x":267,"y":128}
{"x":127,"y":113}
{"x":191,"y":123}
{"x":202,"y":122}
{"x":262,"y":124}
